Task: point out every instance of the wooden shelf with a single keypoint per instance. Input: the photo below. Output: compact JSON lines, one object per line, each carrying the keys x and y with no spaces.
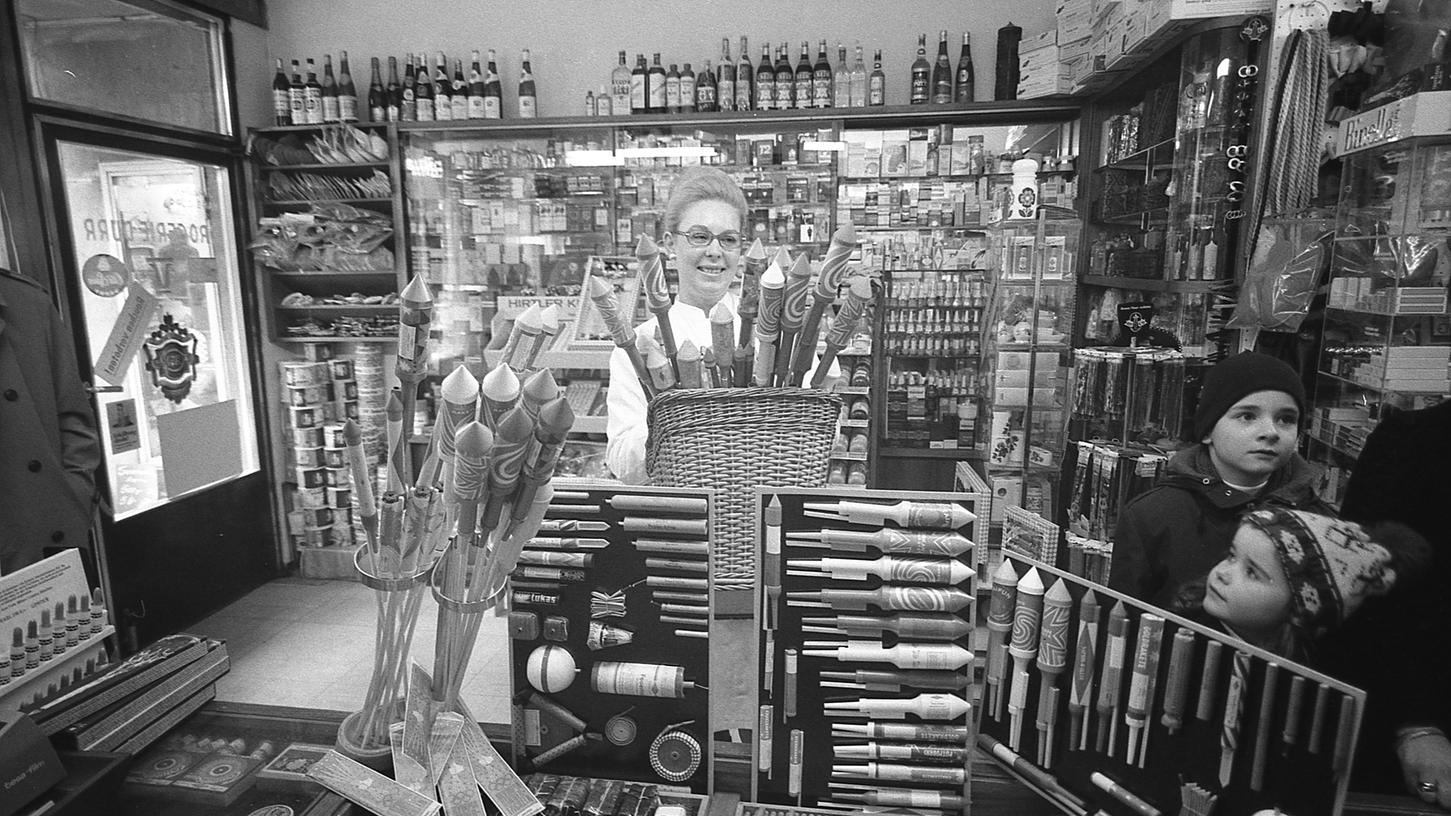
{"x":337,"y":339}
{"x":960,"y":454}
{"x":370,"y":308}
{"x":336,"y":273}
{"x":561,"y":358}
{"x":326,"y":166}
{"x":1153,"y":285}
{"x":298,"y":202}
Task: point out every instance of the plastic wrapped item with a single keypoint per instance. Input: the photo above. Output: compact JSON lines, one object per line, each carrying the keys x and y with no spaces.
{"x":1282,"y":277}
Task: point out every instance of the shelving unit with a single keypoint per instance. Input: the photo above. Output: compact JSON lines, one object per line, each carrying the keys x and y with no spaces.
{"x":1387,"y":336}
{"x":1026,"y":355}
{"x":313,"y":268}
{"x":1163,"y":205}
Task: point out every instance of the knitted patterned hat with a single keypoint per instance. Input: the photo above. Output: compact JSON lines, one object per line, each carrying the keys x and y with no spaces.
{"x":1331,"y":565}
{"x":1235,"y":378}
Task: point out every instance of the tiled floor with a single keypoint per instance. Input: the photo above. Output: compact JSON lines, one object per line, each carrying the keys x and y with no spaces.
{"x":309,"y":643}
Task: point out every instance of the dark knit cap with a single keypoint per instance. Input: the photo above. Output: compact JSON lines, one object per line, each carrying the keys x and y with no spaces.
{"x":1235,"y":378}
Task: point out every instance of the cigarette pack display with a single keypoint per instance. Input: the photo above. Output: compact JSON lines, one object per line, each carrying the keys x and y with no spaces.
{"x":611,"y":613}
{"x":866,"y":651}
{"x":1098,"y":701}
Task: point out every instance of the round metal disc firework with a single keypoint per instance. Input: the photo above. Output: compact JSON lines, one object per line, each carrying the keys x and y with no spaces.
{"x":675,"y":756}
{"x":621,"y":730}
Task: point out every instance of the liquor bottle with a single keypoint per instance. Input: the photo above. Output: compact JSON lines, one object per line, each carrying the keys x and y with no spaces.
{"x":312,"y":96}
{"x":942,"y":73}
{"x":347,"y":91}
{"x":639,"y":100}
{"x":765,"y":81}
{"x":423,"y":91}
{"x":329,"y":90}
{"x":655,"y":87}
{"x":395,"y":92}
{"x":841,"y":79}
{"x":821,"y":79}
{"x":589,"y":103}
{"x":408,"y":93}
{"x":528,"y":101}
{"x":281,"y":91}
{"x":877,"y":82}
{"x":921,"y":74}
{"x":965,"y":90}
{"x":706,"y":90}
{"x":604,"y":101}
{"x":725,"y":80}
{"x":493,"y":90}
{"x":459,"y":95}
{"x":687,"y":90}
{"x":377,"y":96}
{"x":785,"y":79}
{"x":805,"y":78}
{"x":442,"y":91}
{"x":476,"y":89}
{"x":672,"y":90}
{"x":294,"y":95}
{"x":745,"y":79}
{"x":858,"y":94}
{"x":620,"y":87}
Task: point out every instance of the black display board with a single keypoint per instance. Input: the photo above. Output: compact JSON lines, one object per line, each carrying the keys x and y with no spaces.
{"x":1198,"y":716}
{"x":817,"y":739}
{"x":616,"y":584}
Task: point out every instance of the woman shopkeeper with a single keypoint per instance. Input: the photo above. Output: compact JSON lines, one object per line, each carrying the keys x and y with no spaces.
{"x":703,"y":234}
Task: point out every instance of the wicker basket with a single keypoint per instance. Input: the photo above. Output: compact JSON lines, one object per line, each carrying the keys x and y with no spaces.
{"x":732,"y":440}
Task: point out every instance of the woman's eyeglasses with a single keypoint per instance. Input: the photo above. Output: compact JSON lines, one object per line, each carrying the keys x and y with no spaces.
{"x":730,"y":240}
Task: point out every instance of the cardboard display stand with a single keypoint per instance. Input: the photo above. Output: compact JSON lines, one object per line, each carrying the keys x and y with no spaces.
{"x":611,"y":608}
{"x":866,"y":647}
{"x":1105,"y":703}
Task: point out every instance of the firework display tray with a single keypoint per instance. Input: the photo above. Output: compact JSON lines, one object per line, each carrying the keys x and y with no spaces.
{"x":1294,"y":732}
{"x":807,"y":759}
{"x":616,"y":584}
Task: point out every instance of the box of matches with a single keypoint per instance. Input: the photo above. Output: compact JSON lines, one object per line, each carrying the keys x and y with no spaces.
{"x":290,"y":766}
{"x":216,"y":779}
{"x":162,"y":767}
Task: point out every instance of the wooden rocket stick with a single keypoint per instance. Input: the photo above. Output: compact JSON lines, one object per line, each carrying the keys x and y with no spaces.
{"x":603,"y":295}
{"x":398,"y":465}
{"x":755,"y":264}
{"x":768,"y":326}
{"x":500,"y":391}
{"x":538,"y":389}
{"x":722,"y":340}
{"x":528,"y":328}
{"x":362,"y":482}
{"x":657,"y":293}
{"x":1052,"y":660}
{"x":857,"y":298}
{"x":689,"y":363}
{"x":833,"y":272}
{"x":1027,"y":617}
{"x":793,"y":315}
{"x":415,"y":313}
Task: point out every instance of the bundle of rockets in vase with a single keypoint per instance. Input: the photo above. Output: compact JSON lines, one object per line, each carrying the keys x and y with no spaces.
{"x":777,"y":340}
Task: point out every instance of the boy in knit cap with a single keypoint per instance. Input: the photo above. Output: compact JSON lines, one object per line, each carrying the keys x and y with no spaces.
{"x":1292,"y":576}
{"x":1242,"y":457}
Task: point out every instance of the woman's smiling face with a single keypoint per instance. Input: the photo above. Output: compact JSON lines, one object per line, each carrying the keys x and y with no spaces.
{"x":706,"y":272}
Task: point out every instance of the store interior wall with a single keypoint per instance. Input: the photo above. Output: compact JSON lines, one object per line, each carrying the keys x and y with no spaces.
{"x":574,"y":43}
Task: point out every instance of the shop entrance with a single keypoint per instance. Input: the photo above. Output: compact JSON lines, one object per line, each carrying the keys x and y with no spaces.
{"x":148,"y":247}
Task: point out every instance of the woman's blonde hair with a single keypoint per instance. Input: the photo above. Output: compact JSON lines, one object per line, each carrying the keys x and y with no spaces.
{"x":702,"y":183}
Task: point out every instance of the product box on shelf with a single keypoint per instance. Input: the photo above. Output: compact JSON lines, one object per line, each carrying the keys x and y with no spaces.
{"x":611,"y":611}
{"x":845,"y":718}
{"x":1098,"y":701}
{"x":1075,"y":20}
